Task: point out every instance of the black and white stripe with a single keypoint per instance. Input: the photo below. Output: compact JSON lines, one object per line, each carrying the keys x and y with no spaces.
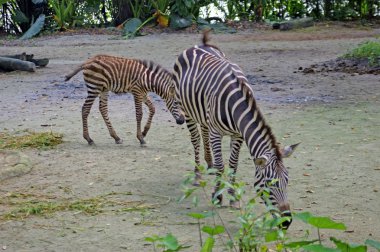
{"x":215,"y":94}
{"x":104,"y":73}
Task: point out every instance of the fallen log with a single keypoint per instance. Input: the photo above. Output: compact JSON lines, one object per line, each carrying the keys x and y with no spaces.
{"x":294,"y":24}
{"x":10,"y":64}
{"x":28,"y":57}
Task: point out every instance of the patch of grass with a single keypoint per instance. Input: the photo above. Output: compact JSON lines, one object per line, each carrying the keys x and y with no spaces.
{"x":23,"y":205}
{"x":369,"y":50}
{"x":38,"y":140}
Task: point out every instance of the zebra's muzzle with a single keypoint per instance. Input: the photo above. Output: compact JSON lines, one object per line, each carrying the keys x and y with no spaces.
{"x":285,"y":225}
{"x":180,"y":120}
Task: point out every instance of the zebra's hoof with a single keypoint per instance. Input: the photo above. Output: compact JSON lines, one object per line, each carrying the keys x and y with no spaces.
{"x":91,"y":142}
{"x":142,"y":142}
{"x":118,"y":141}
{"x":196,"y":183}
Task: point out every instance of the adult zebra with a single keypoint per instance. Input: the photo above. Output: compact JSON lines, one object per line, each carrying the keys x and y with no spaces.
{"x":104,"y":73}
{"x":214,"y":93}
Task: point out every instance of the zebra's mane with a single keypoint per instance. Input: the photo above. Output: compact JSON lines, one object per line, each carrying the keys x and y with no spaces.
{"x":153,"y":66}
{"x":247,"y":90}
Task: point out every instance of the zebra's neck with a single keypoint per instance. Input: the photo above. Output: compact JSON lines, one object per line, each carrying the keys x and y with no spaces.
{"x":156,"y":79}
{"x":252,"y":126}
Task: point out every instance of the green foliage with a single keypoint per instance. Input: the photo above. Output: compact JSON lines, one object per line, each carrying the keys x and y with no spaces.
{"x":35,"y":28}
{"x":369,"y":50}
{"x":374,"y":244}
{"x":137,"y":7}
{"x":133,"y":26}
{"x":64,"y":13}
{"x":42,"y":140}
{"x":168,"y":243}
{"x":177,"y":22}
{"x":257,"y":231}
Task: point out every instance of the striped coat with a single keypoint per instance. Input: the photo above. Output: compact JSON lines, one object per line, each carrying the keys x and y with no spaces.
{"x":104,"y":73}
{"x":214,"y":94}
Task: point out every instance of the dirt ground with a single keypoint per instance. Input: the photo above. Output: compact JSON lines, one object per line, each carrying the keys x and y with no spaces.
{"x":335,"y":172}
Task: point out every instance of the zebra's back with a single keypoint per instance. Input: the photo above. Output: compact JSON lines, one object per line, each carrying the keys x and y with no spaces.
{"x":111,"y":73}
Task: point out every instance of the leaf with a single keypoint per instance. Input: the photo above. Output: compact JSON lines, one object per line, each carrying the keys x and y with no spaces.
{"x":131,"y":27}
{"x":343,"y":246}
{"x":213,"y":230}
{"x":177,"y":22}
{"x":271,"y":236}
{"x":326,"y":223}
{"x":319,"y":248}
{"x":373,"y":243}
{"x":299,"y":244}
{"x":209,"y":244}
{"x":170,"y":242}
{"x":5,"y":1}
{"x":201,"y":215}
{"x":304,"y":216}
{"x":35,"y":28}
{"x":19,"y":17}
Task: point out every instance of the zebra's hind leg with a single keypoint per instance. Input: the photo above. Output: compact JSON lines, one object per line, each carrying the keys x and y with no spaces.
{"x":216,"y":144}
{"x":152,"y":110}
{"x":206,"y":146}
{"x":86,"y":108}
{"x":103,"y":108}
{"x":195,"y":140}
{"x":235,"y":145}
{"x":139,"y":114}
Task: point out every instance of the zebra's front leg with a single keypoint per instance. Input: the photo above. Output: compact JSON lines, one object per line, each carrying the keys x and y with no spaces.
{"x":195,"y":140}
{"x":139,"y":115}
{"x":103,"y":107}
{"x":206,"y":146}
{"x":152,"y":110}
{"x":216,"y":144}
{"x":235,"y":146}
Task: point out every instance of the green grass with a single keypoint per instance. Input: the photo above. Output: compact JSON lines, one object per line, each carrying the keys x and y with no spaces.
{"x":38,"y":140}
{"x":369,"y":50}
{"x":23,"y":205}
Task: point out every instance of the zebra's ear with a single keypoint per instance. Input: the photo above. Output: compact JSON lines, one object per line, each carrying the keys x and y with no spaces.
{"x":261,"y":161}
{"x":287,"y":151}
{"x":172,"y":91}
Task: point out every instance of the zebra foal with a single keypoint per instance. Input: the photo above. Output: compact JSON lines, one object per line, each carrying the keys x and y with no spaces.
{"x":214,"y":93}
{"x":104,"y":73}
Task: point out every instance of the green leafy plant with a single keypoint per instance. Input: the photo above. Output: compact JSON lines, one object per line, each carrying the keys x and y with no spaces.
{"x":38,"y":140}
{"x":258,"y":231}
{"x":168,"y":243}
{"x":368,"y":50}
{"x":64,"y":13}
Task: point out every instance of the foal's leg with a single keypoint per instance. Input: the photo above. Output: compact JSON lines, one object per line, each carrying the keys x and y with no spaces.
{"x":139,"y":114}
{"x":86,"y":108}
{"x":152,"y":110}
{"x":103,"y":107}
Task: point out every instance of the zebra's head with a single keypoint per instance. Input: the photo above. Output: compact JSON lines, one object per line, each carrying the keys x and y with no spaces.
{"x":271,"y":174}
{"x":173,"y":106}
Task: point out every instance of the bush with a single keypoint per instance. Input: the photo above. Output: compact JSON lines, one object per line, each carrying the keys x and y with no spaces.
{"x":369,"y":50}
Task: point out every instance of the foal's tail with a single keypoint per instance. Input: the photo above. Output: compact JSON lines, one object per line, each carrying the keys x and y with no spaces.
{"x":76,"y":70}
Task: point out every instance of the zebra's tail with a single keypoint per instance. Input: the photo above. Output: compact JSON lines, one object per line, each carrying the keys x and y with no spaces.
{"x":76,"y":70}
{"x":206,"y":37}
